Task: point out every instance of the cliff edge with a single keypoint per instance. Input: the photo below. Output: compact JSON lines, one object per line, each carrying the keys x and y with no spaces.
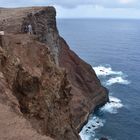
{"x":47,"y":91}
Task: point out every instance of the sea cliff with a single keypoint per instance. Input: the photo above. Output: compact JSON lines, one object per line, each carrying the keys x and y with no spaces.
{"x":47,"y":91}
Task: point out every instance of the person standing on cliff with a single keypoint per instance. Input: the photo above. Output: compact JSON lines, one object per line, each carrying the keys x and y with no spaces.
{"x":30,"y":30}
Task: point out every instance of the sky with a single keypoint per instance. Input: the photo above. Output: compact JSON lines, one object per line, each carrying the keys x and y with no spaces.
{"x":84,"y":8}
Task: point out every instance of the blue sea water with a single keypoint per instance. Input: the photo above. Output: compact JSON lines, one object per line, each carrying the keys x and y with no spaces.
{"x":112,"y":47}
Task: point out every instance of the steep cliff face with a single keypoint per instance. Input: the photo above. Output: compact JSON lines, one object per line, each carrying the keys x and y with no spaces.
{"x":87,"y":90}
{"x":41,"y":89}
{"x":53,"y":88}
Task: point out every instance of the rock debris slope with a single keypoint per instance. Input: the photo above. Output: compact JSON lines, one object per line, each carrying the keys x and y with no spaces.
{"x":46,"y":90}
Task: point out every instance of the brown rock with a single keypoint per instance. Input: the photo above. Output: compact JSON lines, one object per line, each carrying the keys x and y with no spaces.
{"x":86,"y":88}
{"x":38,"y":89}
{"x":56,"y":101}
{"x":13,"y":126}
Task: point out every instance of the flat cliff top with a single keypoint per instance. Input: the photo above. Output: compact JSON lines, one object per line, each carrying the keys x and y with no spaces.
{"x":11,"y":19}
{"x":6,"y":13}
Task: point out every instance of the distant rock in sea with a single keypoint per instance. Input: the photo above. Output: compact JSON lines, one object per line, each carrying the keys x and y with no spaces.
{"x":103,"y":138}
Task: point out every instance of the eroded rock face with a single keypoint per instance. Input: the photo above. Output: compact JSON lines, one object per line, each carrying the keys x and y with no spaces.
{"x":55,"y":89}
{"x":40,"y":90}
{"x":87,"y":90}
{"x":13,"y":126}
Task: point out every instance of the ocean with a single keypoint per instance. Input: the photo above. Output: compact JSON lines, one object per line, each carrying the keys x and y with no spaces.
{"x":112,"y":48}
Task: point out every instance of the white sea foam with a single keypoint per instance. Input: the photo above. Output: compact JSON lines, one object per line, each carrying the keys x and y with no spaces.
{"x":112,"y":106}
{"x":118,"y":80}
{"x":93,"y":124}
{"x":105,"y":71}
{"x":96,"y":122}
{"x":84,"y":136}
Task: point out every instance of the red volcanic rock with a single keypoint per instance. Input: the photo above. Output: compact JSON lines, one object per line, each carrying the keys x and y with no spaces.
{"x":87,"y":90}
{"x":49,"y":86}
{"x":13,"y":126}
{"x":33,"y":90}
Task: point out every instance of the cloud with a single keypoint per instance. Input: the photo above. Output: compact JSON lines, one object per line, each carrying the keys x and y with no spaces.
{"x":103,"y":3}
{"x":126,"y":1}
{"x":84,"y":8}
{"x":89,"y":11}
{"x":74,"y":3}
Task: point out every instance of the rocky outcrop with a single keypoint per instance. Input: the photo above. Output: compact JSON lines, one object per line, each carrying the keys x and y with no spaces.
{"x":86,"y":88}
{"x":52,"y":87}
{"x":39,"y":90}
{"x":13,"y":126}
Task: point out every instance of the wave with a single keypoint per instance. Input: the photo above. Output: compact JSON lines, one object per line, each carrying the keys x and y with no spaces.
{"x":89,"y":129}
{"x":96,"y":122}
{"x":106,"y":71}
{"x":117,"y":80}
{"x":117,"y":77}
{"x":112,"y":106}
{"x":109,"y":77}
